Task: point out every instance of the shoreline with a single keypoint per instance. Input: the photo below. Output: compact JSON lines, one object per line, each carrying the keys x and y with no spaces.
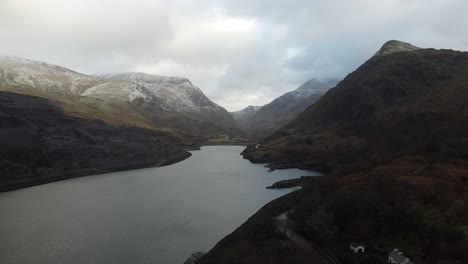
{"x":31,"y":182}
{"x":225,"y":144}
{"x":54,"y":177}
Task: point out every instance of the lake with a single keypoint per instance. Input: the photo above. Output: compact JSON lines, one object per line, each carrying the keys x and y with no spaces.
{"x":152,"y":215}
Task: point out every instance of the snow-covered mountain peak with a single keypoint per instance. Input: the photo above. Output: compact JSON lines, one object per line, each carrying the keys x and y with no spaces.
{"x":154,"y":80}
{"x":177,"y":94}
{"x":44,"y":77}
{"x":39,"y":65}
{"x":394,"y":46}
{"x":146,"y":92}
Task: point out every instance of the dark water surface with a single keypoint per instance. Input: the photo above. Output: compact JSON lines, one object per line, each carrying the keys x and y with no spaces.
{"x":153,"y":215}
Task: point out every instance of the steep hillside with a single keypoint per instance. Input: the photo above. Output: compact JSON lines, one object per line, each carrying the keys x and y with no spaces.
{"x":40,"y":144}
{"x":400,"y":103}
{"x":394,"y":137}
{"x":154,"y":102}
{"x":266,"y":119}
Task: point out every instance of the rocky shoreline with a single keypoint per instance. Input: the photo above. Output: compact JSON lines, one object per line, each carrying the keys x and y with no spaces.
{"x":276,"y":160}
{"x":291,"y":183}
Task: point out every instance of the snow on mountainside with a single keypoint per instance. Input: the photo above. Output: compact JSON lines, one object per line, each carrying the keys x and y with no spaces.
{"x":115,"y":90}
{"x":43,"y":77}
{"x":177,"y":94}
{"x":145,"y":99}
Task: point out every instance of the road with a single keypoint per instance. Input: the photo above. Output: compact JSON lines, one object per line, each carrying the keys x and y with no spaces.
{"x":325,"y":255}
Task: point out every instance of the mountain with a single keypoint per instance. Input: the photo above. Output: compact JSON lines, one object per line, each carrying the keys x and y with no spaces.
{"x":393,"y":140}
{"x":244,"y":115}
{"x":179,"y":95}
{"x":129,"y":99}
{"x":397,"y":103}
{"x":264,"y":120}
{"x":40,"y":144}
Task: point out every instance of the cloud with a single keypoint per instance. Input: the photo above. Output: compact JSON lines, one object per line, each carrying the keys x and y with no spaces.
{"x":238,"y":52}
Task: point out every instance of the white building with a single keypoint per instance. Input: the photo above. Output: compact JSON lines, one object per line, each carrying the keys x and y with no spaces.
{"x":357,"y":248}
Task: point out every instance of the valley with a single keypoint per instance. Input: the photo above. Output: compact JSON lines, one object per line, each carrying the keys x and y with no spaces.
{"x":233,"y":132}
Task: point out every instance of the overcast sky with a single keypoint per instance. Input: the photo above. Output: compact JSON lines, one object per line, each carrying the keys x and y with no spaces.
{"x":239,"y":52}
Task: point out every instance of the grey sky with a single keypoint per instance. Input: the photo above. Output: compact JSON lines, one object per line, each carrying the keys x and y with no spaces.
{"x":239,"y":52}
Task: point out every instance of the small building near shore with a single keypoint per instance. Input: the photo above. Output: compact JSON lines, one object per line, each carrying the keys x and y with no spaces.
{"x":357,"y":247}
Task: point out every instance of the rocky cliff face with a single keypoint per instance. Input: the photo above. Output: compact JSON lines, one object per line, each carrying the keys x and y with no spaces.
{"x":40,"y":143}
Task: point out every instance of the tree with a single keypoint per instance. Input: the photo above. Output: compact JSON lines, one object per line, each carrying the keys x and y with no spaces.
{"x":322,"y":224}
{"x":195,"y":258}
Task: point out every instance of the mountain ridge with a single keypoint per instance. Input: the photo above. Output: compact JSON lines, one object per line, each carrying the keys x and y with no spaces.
{"x":183,"y":108}
{"x":401,"y":83}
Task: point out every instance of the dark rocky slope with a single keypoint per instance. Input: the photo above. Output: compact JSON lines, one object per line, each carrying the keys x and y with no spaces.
{"x":40,"y":143}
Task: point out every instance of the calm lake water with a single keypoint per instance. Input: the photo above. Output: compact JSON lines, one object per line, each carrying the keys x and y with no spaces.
{"x":153,"y":215}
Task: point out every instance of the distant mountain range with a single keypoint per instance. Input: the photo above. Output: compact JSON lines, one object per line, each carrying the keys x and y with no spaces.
{"x":264,"y":120}
{"x":127,"y":99}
